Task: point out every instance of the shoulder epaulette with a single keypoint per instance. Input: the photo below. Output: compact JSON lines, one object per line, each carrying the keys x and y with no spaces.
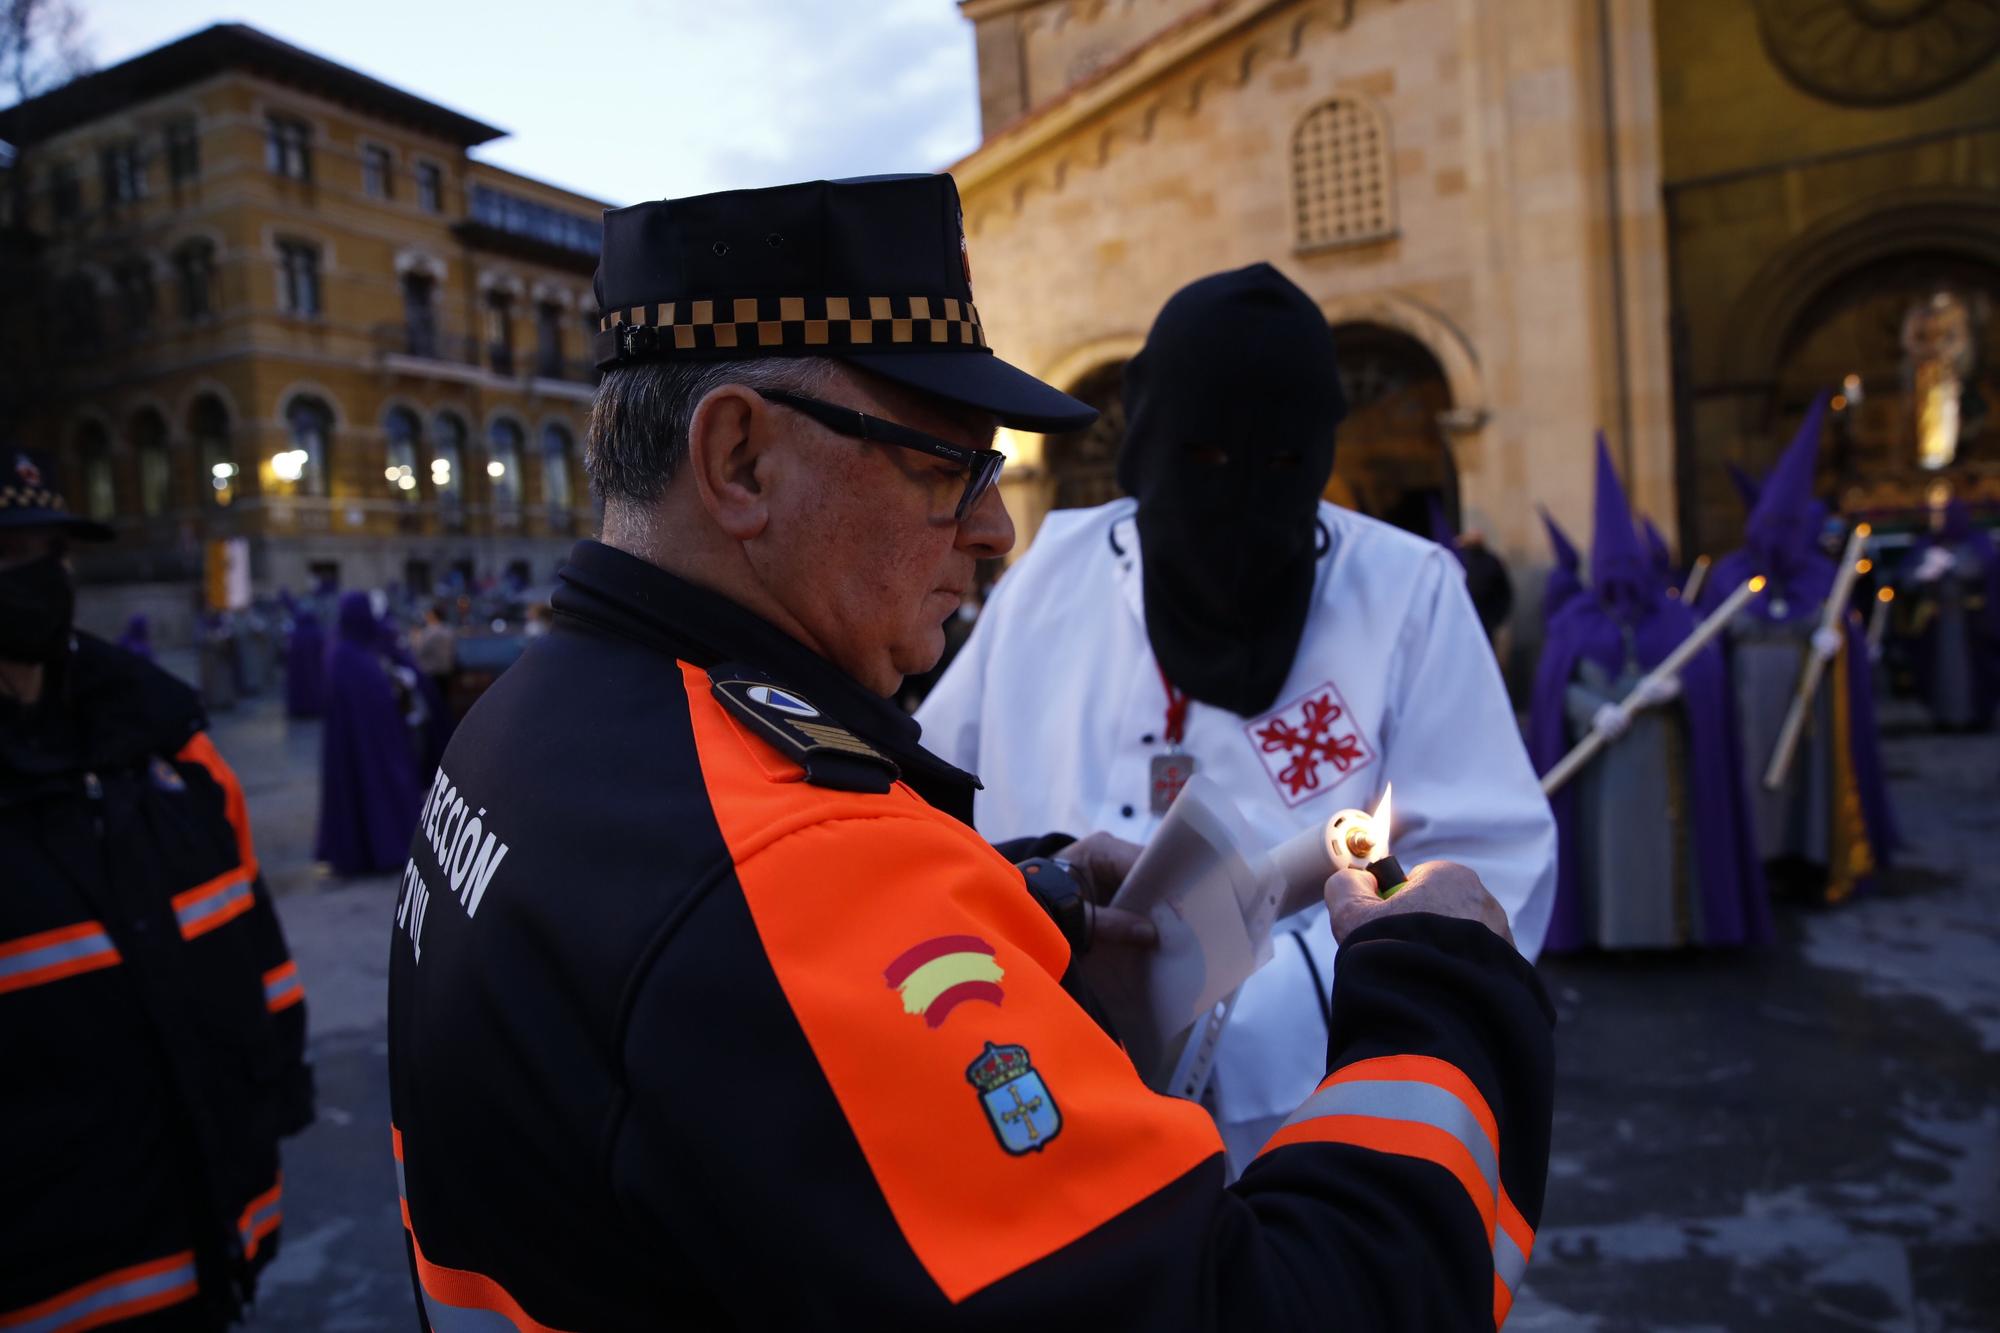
{"x":831,"y":755}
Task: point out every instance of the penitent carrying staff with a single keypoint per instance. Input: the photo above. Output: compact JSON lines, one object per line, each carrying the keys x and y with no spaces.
{"x":708,"y":1007}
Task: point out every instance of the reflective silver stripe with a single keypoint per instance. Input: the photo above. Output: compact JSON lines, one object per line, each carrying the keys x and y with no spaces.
{"x":278,"y":990}
{"x":463,"y":1319}
{"x":1411,"y":1101}
{"x":401,"y":1192}
{"x":250,"y":1224}
{"x":1509,"y":1264}
{"x":195,"y":913}
{"x":107,"y":1299}
{"x":63,"y":951}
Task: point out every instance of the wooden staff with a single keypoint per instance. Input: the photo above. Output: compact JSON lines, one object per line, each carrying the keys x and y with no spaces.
{"x":1670,"y":668}
{"x":1697,"y":575}
{"x":1878,"y":622}
{"x":1830,"y":618}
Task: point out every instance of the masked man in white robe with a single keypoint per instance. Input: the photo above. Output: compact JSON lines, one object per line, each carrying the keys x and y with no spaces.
{"x":1226,"y":620}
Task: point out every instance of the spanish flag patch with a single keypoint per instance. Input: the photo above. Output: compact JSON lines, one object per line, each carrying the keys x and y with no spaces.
{"x":940,"y":974}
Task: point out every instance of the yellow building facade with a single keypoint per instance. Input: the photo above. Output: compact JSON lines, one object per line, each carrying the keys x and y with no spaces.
{"x":1526,"y":221}
{"x":292,"y":309}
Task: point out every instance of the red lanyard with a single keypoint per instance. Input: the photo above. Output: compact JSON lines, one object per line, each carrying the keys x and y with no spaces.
{"x":1177,"y":710}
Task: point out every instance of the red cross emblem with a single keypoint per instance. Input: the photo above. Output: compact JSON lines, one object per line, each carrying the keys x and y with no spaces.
{"x":1310,"y":745}
{"x":25,"y":469}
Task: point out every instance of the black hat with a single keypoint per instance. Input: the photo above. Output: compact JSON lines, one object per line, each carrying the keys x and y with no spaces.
{"x":29,"y":498}
{"x":872,"y":271}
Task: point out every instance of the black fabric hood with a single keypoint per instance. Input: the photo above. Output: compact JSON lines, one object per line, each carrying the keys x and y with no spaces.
{"x":1231,"y":409}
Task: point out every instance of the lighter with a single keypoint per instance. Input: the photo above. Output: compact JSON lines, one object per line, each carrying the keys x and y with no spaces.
{"x":1357,"y":839}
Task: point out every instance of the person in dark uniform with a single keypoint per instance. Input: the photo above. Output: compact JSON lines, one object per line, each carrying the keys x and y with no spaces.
{"x":709,"y":1009}
{"x":152,"y":1025}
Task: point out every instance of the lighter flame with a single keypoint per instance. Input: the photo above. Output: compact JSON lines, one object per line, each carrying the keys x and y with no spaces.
{"x":1379,"y":822}
{"x":1886,"y":595}
{"x":1757,"y":584}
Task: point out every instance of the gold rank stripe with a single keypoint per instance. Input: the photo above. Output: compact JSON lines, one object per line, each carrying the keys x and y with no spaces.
{"x":832,"y":738}
{"x":802,"y":321}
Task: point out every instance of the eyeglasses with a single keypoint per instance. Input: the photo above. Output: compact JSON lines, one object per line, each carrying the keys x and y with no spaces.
{"x":982,"y":465}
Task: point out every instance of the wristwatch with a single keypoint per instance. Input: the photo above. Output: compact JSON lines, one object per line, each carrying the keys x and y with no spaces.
{"x":1052,"y":882}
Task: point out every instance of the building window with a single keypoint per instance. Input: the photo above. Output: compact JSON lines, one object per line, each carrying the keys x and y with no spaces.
{"x":305,"y":465}
{"x":548,"y":340}
{"x":183,"y":151}
{"x":298,"y":277}
{"x":1341,"y":186}
{"x":122,"y":173}
{"x":288,"y":147}
{"x":420,"y":334}
{"x":448,"y":464}
{"x":557,"y":446}
{"x":100,"y":488}
{"x":137,"y":296}
{"x":500,"y":331}
{"x":78,"y":315}
{"x":524,"y":217}
{"x":194,"y":278}
{"x":208,"y":423}
{"x":377,"y":172}
{"x":149,"y":447}
{"x":400,"y":430}
{"x":503,"y":464}
{"x":65,"y":192}
{"x":430,"y":187}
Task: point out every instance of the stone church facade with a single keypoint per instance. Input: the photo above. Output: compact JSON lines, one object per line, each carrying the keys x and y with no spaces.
{"x":1526,"y":221}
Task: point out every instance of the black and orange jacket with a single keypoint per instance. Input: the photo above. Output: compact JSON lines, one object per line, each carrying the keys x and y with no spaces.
{"x":152,"y":1025}
{"x":698,"y":1020}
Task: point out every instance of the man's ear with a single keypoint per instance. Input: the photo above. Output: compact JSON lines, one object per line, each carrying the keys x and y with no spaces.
{"x":729,"y":457}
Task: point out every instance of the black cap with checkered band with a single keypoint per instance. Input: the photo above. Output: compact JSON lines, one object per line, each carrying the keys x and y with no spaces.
{"x":873,"y":271}
{"x":29,"y":497}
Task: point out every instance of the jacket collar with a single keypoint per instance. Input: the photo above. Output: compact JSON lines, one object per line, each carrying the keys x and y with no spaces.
{"x":614,"y":591}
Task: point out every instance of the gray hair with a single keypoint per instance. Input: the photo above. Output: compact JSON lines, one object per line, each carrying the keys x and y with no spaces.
{"x":640,"y":420}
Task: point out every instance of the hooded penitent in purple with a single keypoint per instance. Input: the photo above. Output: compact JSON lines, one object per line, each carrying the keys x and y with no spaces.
{"x":1781,"y":542}
{"x":1624,"y":621}
{"x":1565,"y":577}
{"x":1957,"y":655}
{"x":305,"y":666}
{"x":368,"y":771}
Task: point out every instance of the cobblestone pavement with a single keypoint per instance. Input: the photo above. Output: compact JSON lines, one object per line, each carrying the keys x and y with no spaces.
{"x":1803,"y":1138}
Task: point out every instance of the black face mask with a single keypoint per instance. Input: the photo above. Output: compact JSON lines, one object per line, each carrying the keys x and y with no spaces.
{"x":1230,"y":411}
{"x":37,"y":606}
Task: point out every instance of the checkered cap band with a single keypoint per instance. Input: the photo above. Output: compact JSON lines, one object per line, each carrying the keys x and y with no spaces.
{"x":753,"y":324}
{"x":29,"y":497}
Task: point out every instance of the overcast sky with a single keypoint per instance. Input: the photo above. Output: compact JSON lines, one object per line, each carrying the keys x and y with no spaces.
{"x":640,"y":99}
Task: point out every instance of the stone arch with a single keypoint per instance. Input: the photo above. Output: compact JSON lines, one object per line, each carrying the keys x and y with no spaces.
{"x":308,"y":389}
{"x":205,"y":387}
{"x":1440,"y":337}
{"x":1766,"y":315}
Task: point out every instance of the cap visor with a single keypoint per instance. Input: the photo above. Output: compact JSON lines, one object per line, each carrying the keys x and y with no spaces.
{"x":84,"y":529}
{"x":984,"y":381}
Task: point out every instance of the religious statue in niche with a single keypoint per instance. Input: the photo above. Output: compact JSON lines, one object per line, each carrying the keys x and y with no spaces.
{"x":1879,"y":52}
{"x":1940,"y":354}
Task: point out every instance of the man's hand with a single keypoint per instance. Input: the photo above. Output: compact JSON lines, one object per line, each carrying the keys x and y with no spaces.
{"x":1443,"y":888}
{"x":1099,"y":864}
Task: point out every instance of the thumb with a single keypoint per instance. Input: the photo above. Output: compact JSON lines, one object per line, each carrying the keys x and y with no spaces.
{"x":1351,"y":899}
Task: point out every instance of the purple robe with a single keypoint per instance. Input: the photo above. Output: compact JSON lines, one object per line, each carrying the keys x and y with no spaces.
{"x":369,"y":792}
{"x":305,"y":667}
{"x":1624,"y":619}
{"x":138,"y":636}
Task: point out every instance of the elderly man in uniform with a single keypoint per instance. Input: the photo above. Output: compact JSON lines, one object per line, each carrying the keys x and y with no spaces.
{"x":1227,"y":620}
{"x":709,"y":1008}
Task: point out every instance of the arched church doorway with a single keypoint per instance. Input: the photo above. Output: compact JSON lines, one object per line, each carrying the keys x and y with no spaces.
{"x":1907,"y":347}
{"x":1392,"y":459}
{"x":1083,"y":464}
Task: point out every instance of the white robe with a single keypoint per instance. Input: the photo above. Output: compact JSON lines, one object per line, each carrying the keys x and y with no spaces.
{"x":1056,"y":703}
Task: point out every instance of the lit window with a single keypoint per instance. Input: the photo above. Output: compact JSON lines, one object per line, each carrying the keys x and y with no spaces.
{"x":100,"y":490}
{"x":149,"y":446}
{"x":309,"y":424}
{"x":1341,"y":191}
{"x":503,"y":464}
{"x":400,"y":430}
{"x":556,"y":450}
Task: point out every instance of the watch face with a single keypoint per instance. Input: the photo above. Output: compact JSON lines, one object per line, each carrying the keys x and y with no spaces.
{"x":1878,"y":52}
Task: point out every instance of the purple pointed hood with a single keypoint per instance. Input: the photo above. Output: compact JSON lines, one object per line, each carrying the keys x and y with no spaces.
{"x":1565,"y":579}
{"x":1657,"y":551}
{"x":1784,"y":523}
{"x":1620,"y":574}
{"x":1747,"y":486}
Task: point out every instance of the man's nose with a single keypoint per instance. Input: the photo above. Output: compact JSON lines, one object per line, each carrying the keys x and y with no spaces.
{"x":988,"y":531}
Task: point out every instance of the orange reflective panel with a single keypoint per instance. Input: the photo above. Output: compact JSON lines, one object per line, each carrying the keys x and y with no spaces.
{"x":998,"y":1120}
